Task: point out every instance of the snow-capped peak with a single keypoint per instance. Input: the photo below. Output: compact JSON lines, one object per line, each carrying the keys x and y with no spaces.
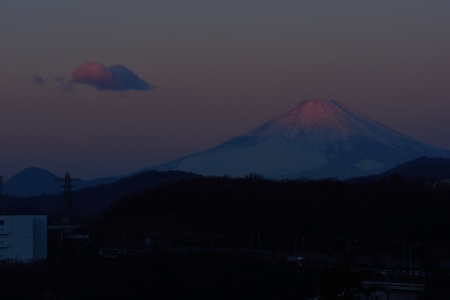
{"x":327,"y":120}
{"x":316,"y":138}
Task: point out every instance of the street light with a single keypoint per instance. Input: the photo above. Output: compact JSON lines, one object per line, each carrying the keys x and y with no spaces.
{"x":404,"y":262}
{"x":188,"y":233}
{"x":303,"y":240}
{"x":295,"y":245}
{"x":410,"y":260}
{"x":259,"y":241}
{"x":147,"y":240}
{"x":349,"y":245}
{"x":387,"y":274}
{"x":226,"y":238}
{"x":178,"y":238}
{"x":115,"y":236}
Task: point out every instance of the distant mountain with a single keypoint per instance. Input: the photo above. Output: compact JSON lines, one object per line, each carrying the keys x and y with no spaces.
{"x":432,"y":169}
{"x":314,"y":139}
{"x":31,"y":181}
{"x":36,"y":181}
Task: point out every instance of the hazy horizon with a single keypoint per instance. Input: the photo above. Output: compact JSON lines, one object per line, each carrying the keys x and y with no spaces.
{"x":101,"y":89}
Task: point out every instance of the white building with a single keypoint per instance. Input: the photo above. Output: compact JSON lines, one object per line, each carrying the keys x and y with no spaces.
{"x":23,"y":238}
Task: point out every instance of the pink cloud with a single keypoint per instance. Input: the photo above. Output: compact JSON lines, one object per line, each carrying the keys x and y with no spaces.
{"x":94,"y":73}
{"x":117,"y":77}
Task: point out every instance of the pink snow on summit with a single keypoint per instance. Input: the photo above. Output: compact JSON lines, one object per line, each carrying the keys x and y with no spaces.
{"x":324,"y":120}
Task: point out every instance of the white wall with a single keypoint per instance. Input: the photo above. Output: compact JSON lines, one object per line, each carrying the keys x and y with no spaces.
{"x":23,"y":238}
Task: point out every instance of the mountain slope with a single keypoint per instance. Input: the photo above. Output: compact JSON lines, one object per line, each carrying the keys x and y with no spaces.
{"x":316,"y":139}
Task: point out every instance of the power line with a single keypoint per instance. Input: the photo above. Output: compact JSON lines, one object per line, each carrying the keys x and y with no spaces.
{"x":67,"y":205}
{"x":68,"y":248}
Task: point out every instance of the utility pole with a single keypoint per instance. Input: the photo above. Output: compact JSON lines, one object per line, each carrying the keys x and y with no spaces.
{"x":303,"y":239}
{"x":387,"y":275}
{"x":2,"y":210}
{"x":259,"y":240}
{"x":349,"y":245}
{"x":220,"y":236}
{"x":410,"y":259}
{"x":295,"y":244}
{"x":188,"y":233}
{"x":404,"y":260}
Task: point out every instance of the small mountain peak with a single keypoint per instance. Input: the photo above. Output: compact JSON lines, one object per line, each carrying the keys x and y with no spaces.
{"x":30,"y":181}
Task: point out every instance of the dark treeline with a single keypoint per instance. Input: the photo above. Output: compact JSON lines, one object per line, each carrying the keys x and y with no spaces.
{"x":324,"y":212}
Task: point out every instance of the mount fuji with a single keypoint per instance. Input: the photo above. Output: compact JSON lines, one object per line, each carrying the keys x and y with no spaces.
{"x":314,"y":139}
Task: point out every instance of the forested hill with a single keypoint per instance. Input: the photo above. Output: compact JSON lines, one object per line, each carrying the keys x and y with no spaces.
{"x":322,"y":211}
{"x":433,"y":169}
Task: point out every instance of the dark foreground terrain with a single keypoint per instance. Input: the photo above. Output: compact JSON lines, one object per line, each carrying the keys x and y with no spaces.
{"x":200,"y":276}
{"x":231,"y":223}
{"x":158,"y":276}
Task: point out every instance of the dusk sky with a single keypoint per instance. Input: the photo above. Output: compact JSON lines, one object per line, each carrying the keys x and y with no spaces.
{"x":101,"y":88}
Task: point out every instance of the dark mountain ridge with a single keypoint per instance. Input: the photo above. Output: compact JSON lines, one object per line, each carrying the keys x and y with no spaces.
{"x":433,"y":169}
{"x":91,"y":200}
{"x":36,"y":181}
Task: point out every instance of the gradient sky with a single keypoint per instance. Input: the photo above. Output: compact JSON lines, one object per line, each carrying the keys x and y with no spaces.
{"x":219,"y":68}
